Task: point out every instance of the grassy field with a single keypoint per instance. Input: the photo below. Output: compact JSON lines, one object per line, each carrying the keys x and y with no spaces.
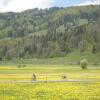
{"x":48,"y":90}
{"x":72,"y":58}
{"x":49,"y":72}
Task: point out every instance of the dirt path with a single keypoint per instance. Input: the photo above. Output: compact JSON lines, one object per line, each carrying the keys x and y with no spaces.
{"x":50,"y":81}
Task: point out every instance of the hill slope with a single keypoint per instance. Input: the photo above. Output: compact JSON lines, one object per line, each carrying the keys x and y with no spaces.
{"x":50,"y":32}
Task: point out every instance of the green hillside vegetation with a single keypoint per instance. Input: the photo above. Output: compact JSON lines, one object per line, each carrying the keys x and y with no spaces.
{"x":49,"y":33}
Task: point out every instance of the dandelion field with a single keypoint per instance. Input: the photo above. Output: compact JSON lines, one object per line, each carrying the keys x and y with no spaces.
{"x":49,"y":90}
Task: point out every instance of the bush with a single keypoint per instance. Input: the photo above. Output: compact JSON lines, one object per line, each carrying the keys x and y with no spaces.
{"x":83,"y":64}
{"x":21,"y":66}
{"x":95,"y":64}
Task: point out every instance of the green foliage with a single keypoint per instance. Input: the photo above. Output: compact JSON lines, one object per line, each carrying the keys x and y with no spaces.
{"x":83,"y":64}
{"x":49,"y":32}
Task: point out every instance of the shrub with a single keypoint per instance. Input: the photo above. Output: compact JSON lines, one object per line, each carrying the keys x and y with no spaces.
{"x":24,"y":66}
{"x":95,"y":64}
{"x":83,"y":64}
{"x":21,"y":66}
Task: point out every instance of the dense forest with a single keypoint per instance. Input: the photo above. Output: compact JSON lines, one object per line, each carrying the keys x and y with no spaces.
{"x":49,"y":32}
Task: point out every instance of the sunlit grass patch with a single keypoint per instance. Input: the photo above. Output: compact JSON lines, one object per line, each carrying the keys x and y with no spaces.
{"x":50,"y":91}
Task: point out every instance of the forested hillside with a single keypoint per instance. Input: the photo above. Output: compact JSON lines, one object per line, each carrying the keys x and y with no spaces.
{"x":49,"y":32}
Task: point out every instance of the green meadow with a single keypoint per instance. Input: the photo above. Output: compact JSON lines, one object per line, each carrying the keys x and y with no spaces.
{"x":12,"y":89}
